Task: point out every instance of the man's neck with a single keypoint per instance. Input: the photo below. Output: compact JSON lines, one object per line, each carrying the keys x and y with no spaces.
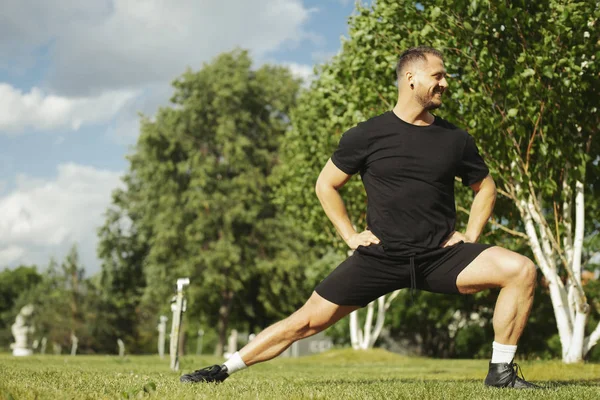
{"x":413,"y":114}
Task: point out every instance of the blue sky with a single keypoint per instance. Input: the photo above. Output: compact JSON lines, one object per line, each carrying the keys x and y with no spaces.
{"x":74,"y":75}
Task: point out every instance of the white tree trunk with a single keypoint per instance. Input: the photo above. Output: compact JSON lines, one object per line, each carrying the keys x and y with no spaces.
{"x":380,"y":320}
{"x":591,"y":340}
{"x":575,"y":351}
{"x":354,"y":330}
{"x":561,"y":313}
{"x":365,"y":338}
{"x":570,"y":304}
{"x":579,"y":231}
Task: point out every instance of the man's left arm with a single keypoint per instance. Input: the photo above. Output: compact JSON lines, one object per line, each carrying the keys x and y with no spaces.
{"x":482,"y":207}
{"x":481,"y":211}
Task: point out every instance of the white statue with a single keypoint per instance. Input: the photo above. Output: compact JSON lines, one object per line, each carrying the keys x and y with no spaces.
{"x":43,"y":349}
{"x":121,"y":347}
{"x":162,"y":328}
{"x":74,"y":344}
{"x":20,"y":329}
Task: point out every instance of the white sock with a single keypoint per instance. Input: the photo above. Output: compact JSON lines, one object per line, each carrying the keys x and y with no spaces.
{"x":503,"y":353}
{"x":235,"y":363}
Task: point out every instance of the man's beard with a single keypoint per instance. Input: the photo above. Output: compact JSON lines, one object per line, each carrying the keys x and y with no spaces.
{"x":427,"y":101}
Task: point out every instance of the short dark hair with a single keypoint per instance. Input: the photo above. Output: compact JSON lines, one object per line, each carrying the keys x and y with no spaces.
{"x":415,"y":54}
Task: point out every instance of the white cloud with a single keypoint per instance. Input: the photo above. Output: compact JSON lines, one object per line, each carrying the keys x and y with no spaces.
{"x":28,"y":26}
{"x":126,"y":125}
{"x":303,"y":71}
{"x":96,"y":46}
{"x":38,"y":110}
{"x":45,"y":218}
{"x":10,"y":254}
{"x":101,"y":58}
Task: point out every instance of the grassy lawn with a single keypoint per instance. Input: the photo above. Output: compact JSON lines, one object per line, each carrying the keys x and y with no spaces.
{"x":337,"y":374}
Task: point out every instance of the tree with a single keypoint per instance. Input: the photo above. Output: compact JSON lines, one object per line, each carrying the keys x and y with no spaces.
{"x":72,"y":278}
{"x":117,"y":295}
{"x":198,"y":199}
{"x":523,"y":80}
{"x":365,"y":338}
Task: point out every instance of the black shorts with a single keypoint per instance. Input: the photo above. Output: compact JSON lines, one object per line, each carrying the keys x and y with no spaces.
{"x":371,"y":272}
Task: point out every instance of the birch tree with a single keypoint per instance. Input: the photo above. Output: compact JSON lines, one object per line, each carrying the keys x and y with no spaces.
{"x":527,"y":77}
{"x":365,"y":337}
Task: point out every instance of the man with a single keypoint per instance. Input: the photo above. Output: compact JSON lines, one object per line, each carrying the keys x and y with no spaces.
{"x":407,"y":159}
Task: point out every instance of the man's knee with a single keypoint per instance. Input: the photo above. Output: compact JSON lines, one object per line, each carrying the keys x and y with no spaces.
{"x":529,"y":272}
{"x":316,"y":315}
{"x":297,"y":324}
{"x":522,"y":271}
{"x":304,"y":323}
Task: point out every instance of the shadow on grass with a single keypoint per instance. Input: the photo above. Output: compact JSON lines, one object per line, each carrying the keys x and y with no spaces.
{"x":544,"y":384}
{"x":6,"y":395}
{"x":574,"y":382}
{"x":390,"y":380}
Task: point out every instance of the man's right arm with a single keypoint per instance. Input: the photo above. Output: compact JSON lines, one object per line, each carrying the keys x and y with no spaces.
{"x":330,"y":180}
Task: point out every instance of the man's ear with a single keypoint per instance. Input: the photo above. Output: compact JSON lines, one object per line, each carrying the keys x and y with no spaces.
{"x":410,"y":78}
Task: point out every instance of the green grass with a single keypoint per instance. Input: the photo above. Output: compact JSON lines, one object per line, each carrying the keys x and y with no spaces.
{"x":337,"y":374}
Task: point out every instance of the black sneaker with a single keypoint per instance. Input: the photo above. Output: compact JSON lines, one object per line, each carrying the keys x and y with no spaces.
{"x":505,"y":375}
{"x":215,"y":373}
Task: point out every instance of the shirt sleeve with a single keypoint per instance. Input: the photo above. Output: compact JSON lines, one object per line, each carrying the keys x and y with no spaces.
{"x":472,"y":168}
{"x":351,"y":153}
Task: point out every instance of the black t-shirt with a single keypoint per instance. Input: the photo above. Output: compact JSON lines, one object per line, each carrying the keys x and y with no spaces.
{"x":408,"y":172}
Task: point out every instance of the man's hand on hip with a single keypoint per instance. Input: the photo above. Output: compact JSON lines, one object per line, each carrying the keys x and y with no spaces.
{"x":455,"y":238}
{"x":365,"y":238}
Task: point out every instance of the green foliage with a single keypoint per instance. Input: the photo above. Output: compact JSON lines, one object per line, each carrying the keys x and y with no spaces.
{"x":14,"y":281}
{"x":198,"y":203}
{"x":117,"y":295}
{"x":592,"y":289}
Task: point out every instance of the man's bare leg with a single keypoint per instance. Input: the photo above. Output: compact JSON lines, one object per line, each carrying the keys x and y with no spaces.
{"x":515,"y":275}
{"x":314,"y":316}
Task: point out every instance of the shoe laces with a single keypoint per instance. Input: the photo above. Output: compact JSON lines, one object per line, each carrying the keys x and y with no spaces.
{"x":516,"y":371}
{"x":212,"y":370}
